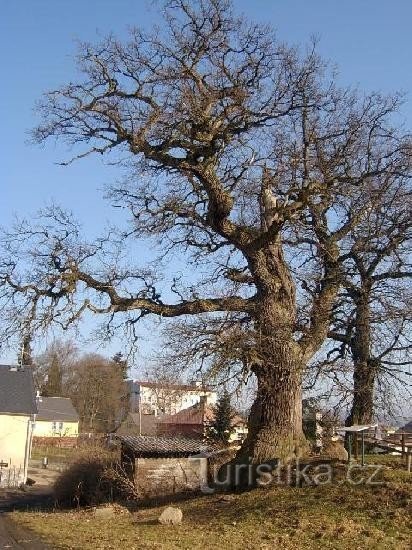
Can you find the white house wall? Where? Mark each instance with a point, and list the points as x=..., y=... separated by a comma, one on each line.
x=15, y=439
x=46, y=428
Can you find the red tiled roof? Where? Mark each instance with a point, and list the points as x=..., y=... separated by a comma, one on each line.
x=196, y=415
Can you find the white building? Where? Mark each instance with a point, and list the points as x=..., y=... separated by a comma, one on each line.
x=56, y=417
x=160, y=398
x=17, y=413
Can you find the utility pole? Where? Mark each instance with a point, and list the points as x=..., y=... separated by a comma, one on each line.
x=140, y=413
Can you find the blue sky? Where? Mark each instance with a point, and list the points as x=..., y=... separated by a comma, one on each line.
x=369, y=40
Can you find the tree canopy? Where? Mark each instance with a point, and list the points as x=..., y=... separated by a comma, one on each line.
x=244, y=156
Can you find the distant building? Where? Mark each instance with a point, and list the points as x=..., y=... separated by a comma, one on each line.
x=56, y=418
x=17, y=413
x=138, y=424
x=160, y=398
x=194, y=422
x=407, y=428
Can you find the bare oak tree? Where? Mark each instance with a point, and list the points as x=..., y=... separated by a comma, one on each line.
x=373, y=313
x=234, y=141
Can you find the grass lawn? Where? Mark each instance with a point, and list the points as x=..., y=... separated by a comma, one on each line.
x=337, y=516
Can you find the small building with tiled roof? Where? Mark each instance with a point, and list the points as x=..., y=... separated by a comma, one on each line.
x=164, y=466
x=56, y=417
x=17, y=413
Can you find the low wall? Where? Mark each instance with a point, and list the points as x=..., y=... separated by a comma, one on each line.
x=61, y=442
x=157, y=477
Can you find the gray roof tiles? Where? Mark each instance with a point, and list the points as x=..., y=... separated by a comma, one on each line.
x=17, y=395
x=56, y=409
x=149, y=446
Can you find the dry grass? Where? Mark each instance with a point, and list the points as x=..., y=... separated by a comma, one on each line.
x=338, y=516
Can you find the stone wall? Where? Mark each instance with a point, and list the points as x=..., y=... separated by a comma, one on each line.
x=64, y=442
x=167, y=476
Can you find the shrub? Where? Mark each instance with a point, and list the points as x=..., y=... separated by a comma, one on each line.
x=94, y=477
x=84, y=481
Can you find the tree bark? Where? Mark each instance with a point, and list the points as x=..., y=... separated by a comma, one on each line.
x=363, y=393
x=364, y=369
x=275, y=422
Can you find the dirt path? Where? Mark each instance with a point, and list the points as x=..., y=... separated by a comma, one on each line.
x=39, y=496
x=14, y=537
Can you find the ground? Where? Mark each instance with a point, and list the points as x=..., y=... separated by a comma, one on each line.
x=13, y=535
x=339, y=515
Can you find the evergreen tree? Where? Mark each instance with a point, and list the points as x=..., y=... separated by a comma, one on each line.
x=221, y=427
x=53, y=386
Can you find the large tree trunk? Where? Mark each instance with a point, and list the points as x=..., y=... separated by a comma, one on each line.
x=364, y=370
x=275, y=422
x=363, y=393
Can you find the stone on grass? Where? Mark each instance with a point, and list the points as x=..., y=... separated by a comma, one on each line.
x=171, y=516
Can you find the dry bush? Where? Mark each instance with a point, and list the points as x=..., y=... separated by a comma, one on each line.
x=85, y=481
x=122, y=486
